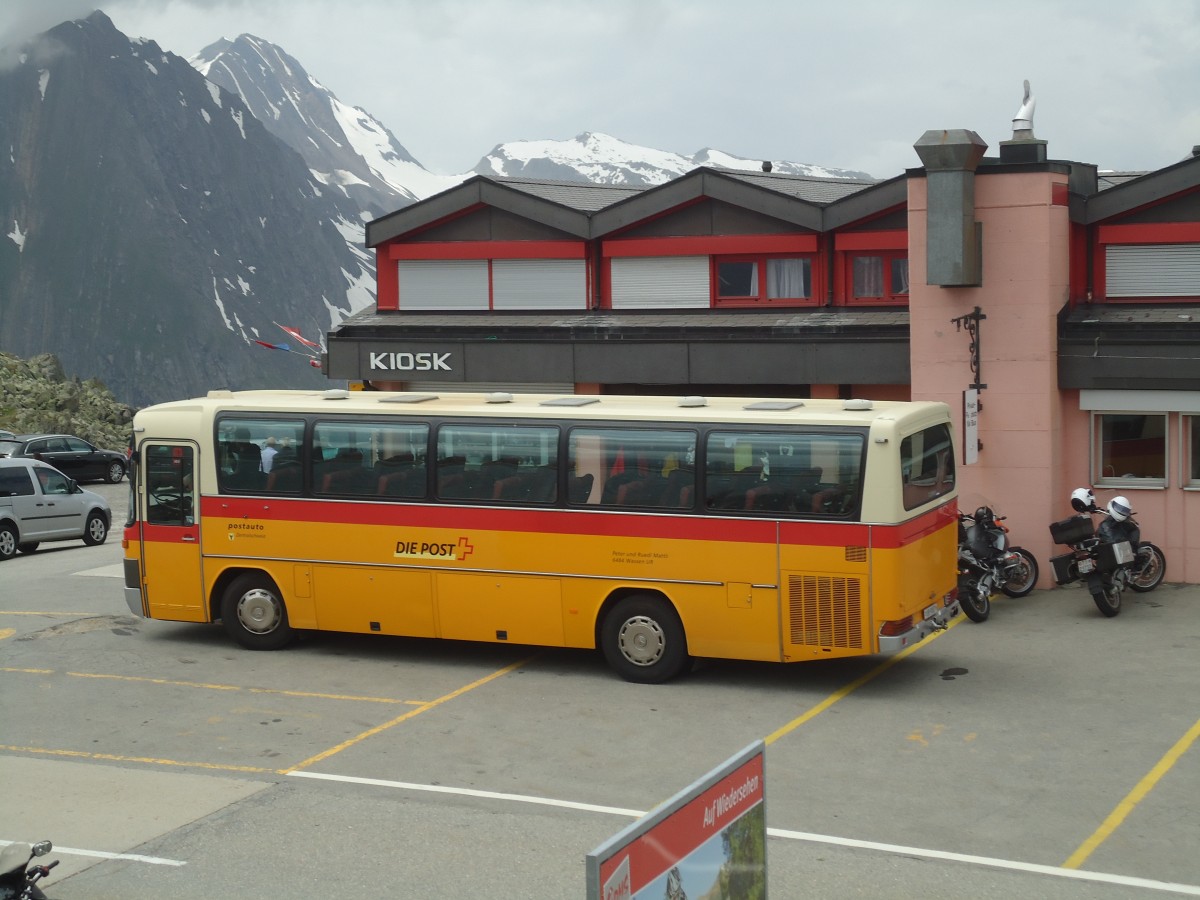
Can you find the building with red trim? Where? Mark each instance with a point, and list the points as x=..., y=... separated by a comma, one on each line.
x=1066, y=299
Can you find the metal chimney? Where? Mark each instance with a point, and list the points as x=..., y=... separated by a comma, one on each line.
x=1024, y=147
x=953, y=240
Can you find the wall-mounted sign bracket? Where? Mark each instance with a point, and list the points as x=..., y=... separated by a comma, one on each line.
x=970, y=322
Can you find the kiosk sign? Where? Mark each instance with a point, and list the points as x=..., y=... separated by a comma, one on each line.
x=711, y=834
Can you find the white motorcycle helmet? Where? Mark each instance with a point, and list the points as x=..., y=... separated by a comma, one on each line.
x=1083, y=500
x=1119, y=509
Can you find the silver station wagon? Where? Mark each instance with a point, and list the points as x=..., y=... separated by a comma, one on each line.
x=39, y=503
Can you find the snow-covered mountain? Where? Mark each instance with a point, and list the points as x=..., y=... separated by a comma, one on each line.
x=345, y=147
x=607, y=160
x=351, y=151
x=157, y=232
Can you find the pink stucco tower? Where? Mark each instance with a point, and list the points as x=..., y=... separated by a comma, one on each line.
x=988, y=256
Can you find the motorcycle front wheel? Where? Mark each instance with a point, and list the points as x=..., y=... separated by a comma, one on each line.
x=1022, y=576
x=971, y=599
x=1108, y=600
x=1149, y=568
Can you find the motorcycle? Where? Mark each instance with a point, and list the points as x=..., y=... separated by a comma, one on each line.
x=986, y=563
x=18, y=879
x=1110, y=557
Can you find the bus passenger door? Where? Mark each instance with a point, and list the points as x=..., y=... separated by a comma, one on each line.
x=172, y=577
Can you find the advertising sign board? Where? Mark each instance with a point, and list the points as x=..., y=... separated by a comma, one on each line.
x=712, y=833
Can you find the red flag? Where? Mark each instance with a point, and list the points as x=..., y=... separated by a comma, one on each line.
x=294, y=333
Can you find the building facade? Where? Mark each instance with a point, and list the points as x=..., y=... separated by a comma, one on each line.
x=1064, y=301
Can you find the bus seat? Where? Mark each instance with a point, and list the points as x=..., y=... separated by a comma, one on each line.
x=406, y=482
x=514, y=487
x=349, y=480
x=543, y=486
x=831, y=499
x=579, y=487
x=643, y=492
x=284, y=476
x=678, y=481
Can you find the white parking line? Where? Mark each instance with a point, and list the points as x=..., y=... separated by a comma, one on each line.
x=116, y=570
x=784, y=834
x=102, y=854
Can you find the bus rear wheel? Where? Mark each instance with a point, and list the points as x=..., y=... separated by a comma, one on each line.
x=254, y=615
x=643, y=640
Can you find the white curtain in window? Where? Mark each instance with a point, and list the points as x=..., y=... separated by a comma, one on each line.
x=787, y=278
x=899, y=276
x=868, y=276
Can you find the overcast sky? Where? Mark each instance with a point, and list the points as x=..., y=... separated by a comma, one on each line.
x=849, y=84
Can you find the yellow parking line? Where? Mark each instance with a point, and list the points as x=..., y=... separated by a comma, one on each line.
x=1133, y=798
x=216, y=687
x=853, y=686
x=408, y=715
x=7, y=633
x=113, y=757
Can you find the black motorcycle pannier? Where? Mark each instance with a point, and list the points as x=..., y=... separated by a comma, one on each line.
x=1072, y=530
x=1065, y=570
x=1109, y=556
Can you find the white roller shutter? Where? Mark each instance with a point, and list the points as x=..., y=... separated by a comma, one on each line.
x=443, y=284
x=1152, y=270
x=539, y=284
x=661, y=282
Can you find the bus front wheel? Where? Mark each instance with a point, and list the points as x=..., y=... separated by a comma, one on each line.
x=643, y=640
x=254, y=615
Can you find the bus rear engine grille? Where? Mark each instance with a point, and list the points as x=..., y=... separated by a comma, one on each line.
x=825, y=611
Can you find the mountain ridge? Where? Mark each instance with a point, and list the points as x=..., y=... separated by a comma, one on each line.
x=159, y=225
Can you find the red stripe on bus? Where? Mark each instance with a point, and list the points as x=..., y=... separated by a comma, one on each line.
x=558, y=521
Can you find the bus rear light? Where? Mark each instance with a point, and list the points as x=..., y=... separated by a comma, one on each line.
x=900, y=626
x=951, y=597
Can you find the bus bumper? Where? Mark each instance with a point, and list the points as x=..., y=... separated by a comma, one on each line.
x=894, y=643
x=133, y=599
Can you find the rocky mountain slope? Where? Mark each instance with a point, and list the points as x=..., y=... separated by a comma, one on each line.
x=153, y=230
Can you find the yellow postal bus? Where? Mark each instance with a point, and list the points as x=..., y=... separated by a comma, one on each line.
x=655, y=528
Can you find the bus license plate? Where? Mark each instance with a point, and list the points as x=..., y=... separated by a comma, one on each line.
x=931, y=610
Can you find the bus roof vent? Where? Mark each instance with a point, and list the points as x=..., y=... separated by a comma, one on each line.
x=408, y=398
x=775, y=404
x=222, y=394
x=498, y=397
x=335, y=394
x=857, y=404
x=693, y=400
x=576, y=400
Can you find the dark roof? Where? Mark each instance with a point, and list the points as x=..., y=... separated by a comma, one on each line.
x=578, y=207
x=1105, y=180
x=803, y=187
x=582, y=196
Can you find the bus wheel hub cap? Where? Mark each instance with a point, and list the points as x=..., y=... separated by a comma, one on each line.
x=642, y=641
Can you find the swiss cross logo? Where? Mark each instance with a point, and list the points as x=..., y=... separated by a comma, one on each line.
x=465, y=548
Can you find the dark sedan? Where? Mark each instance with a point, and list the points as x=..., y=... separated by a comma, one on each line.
x=72, y=456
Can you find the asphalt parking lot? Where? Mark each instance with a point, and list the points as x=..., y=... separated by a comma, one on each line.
x=1046, y=753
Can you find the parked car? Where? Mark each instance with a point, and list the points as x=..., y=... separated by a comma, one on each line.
x=39, y=503
x=71, y=455
x=7, y=436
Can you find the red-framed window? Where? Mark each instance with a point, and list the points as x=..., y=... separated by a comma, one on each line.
x=871, y=268
x=763, y=280
x=876, y=278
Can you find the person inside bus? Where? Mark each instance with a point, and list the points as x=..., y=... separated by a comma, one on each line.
x=268, y=454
